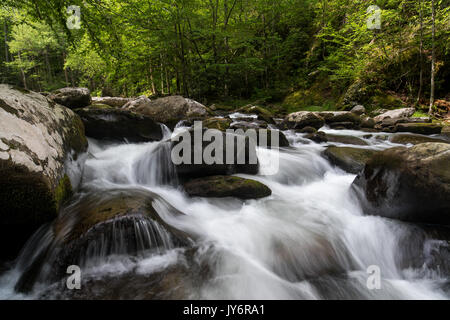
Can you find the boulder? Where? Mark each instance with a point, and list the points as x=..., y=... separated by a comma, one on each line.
x=346, y=139
x=72, y=97
x=446, y=131
x=115, y=102
x=252, y=124
x=302, y=119
x=171, y=110
x=317, y=137
x=221, y=124
x=226, y=186
x=403, y=138
x=242, y=147
x=395, y=114
x=100, y=224
x=308, y=130
x=340, y=117
x=262, y=113
x=358, y=110
x=420, y=128
x=136, y=103
x=38, y=138
x=367, y=122
x=118, y=124
x=408, y=184
x=349, y=159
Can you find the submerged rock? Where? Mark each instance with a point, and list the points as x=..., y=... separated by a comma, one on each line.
x=408, y=184
x=72, y=97
x=226, y=186
x=346, y=139
x=171, y=110
x=352, y=160
x=117, y=124
x=37, y=140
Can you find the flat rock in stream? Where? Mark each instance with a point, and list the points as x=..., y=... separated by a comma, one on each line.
x=226, y=186
x=352, y=160
x=420, y=128
x=346, y=139
x=403, y=138
x=408, y=184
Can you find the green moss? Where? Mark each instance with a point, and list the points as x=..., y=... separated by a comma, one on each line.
x=420, y=114
x=63, y=191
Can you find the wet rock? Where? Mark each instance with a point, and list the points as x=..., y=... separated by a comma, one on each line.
x=37, y=140
x=243, y=158
x=395, y=114
x=171, y=110
x=317, y=137
x=262, y=113
x=420, y=128
x=116, y=124
x=346, y=139
x=308, y=130
x=413, y=139
x=349, y=159
x=221, y=124
x=72, y=97
x=302, y=119
x=358, y=110
x=408, y=184
x=343, y=125
x=139, y=102
x=367, y=122
x=226, y=186
x=115, y=102
x=341, y=118
x=101, y=224
x=251, y=124
x=446, y=131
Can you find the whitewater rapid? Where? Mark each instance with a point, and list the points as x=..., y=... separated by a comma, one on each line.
x=308, y=240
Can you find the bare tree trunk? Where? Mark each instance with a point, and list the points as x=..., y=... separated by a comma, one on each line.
x=433, y=57
x=24, y=78
x=66, y=76
x=419, y=94
x=5, y=30
x=151, y=78
x=162, y=73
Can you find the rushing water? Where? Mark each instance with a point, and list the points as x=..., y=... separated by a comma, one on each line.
x=309, y=240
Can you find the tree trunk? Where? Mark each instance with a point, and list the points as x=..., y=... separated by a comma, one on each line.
x=5, y=30
x=24, y=78
x=152, y=81
x=420, y=53
x=66, y=76
x=433, y=57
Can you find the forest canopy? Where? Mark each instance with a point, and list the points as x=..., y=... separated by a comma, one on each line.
x=300, y=52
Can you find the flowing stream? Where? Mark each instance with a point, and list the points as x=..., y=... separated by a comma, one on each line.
x=309, y=240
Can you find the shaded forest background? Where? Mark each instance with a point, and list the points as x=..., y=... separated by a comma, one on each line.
x=299, y=53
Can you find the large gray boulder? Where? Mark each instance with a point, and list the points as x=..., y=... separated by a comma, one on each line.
x=37, y=140
x=72, y=97
x=352, y=160
x=171, y=110
x=395, y=114
x=115, y=102
x=117, y=124
x=408, y=184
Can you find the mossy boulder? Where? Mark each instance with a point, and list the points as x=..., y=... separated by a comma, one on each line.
x=226, y=186
x=420, y=128
x=118, y=124
x=100, y=224
x=171, y=110
x=332, y=117
x=38, y=138
x=404, y=138
x=72, y=97
x=349, y=159
x=395, y=114
x=408, y=184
